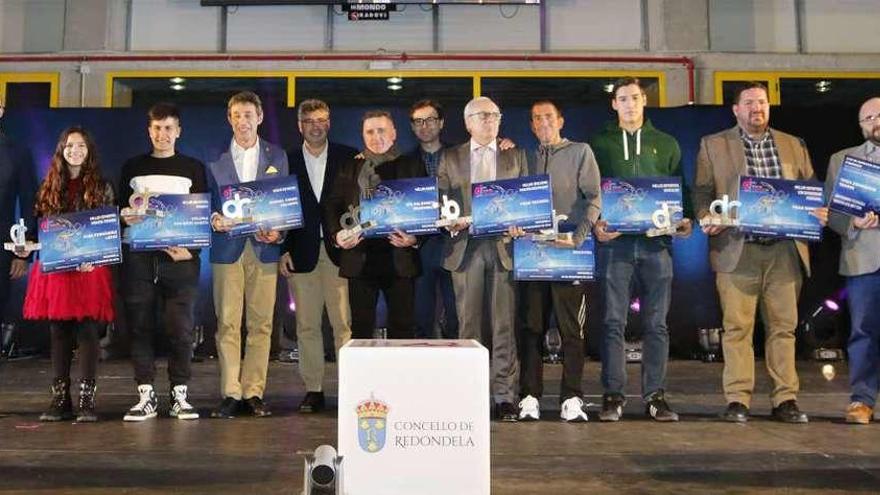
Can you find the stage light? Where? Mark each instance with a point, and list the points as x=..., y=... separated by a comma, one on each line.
x=635, y=306
x=710, y=344
x=394, y=80
x=823, y=86
x=177, y=80
x=608, y=87
x=395, y=87
x=178, y=87
x=292, y=306
x=323, y=472
x=832, y=305
x=822, y=330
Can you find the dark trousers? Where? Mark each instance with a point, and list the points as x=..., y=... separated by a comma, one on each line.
x=863, y=295
x=363, y=294
x=569, y=303
x=67, y=335
x=618, y=263
x=433, y=280
x=150, y=278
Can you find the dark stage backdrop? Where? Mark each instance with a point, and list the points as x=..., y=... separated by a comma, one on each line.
x=121, y=133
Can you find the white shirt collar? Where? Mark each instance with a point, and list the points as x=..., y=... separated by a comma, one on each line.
x=237, y=149
x=493, y=145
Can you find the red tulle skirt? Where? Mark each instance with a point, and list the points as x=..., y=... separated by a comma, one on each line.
x=69, y=295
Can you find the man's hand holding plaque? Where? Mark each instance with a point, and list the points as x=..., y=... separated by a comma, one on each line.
x=352, y=228
x=723, y=213
x=450, y=217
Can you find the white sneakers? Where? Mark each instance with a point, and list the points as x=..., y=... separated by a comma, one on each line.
x=180, y=407
x=573, y=410
x=529, y=409
x=146, y=406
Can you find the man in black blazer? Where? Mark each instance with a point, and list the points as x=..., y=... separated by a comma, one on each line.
x=310, y=258
x=18, y=185
x=371, y=265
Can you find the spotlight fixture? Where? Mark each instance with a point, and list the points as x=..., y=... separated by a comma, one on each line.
x=822, y=331
x=323, y=472
x=177, y=80
x=394, y=80
x=395, y=87
x=823, y=86
x=178, y=87
x=608, y=88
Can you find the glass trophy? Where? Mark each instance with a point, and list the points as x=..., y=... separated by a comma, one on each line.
x=553, y=235
x=450, y=213
x=351, y=222
x=720, y=213
x=139, y=205
x=666, y=219
x=19, y=245
x=237, y=210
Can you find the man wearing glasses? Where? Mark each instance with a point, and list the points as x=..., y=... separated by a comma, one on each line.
x=481, y=268
x=310, y=259
x=426, y=119
x=860, y=264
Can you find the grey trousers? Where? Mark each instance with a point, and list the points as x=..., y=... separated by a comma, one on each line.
x=484, y=292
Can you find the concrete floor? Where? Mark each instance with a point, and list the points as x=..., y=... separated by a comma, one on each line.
x=698, y=455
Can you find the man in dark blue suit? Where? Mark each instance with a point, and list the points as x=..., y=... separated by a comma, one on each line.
x=311, y=260
x=17, y=187
x=245, y=268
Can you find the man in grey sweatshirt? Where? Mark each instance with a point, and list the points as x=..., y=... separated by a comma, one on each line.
x=574, y=176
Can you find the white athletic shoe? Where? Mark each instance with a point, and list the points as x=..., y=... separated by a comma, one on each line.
x=573, y=410
x=180, y=408
x=146, y=406
x=529, y=409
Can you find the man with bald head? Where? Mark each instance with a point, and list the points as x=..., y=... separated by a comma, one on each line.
x=860, y=264
x=481, y=267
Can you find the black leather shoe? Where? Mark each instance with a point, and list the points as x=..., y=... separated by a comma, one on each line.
x=789, y=412
x=256, y=407
x=507, y=412
x=228, y=408
x=313, y=402
x=736, y=412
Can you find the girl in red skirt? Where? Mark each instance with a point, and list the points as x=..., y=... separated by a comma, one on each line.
x=77, y=304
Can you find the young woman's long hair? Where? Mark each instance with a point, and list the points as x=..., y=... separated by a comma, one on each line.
x=50, y=197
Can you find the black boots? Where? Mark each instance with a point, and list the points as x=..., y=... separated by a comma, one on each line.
x=87, y=389
x=61, y=407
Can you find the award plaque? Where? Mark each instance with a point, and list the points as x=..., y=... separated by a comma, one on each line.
x=185, y=222
x=71, y=239
x=268, y=204
x=524, y=202
x=554, y=234
x=351, y=222
x=667, y=220
x=541, y=261
x=857, y=189
x=409, y=205
x=641, y=205
x=780, y=208
x=139, y=205
x=19, y=245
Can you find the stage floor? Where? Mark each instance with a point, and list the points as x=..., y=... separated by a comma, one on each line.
x=245, y=455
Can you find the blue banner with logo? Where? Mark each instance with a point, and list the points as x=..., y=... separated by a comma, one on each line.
x=543, y=261
x=268, y=204
x=524, y=202
x=71, y=239
x=182, y=220
x=628, y=205
x=406, y=204
x=780, y=208
x=857, y=190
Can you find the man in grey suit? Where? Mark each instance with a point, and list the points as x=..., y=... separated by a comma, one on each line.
x=481, y=268
x=753, y=271
x=860, y=264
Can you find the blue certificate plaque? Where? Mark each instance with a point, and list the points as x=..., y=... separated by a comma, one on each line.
x=268, y=204
x=524, y=202
x=406, y=204
x=185, y=222
x=780, y=208
x=629, y=204
x=71, y=239
x=857, y=190
x=541, y=261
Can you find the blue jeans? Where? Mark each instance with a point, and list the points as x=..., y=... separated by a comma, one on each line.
x=863, y=294
x=434, y=277
x=650, y=262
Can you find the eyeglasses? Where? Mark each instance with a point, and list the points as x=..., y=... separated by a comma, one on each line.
x=870, y=119
x=315, y=121
x=486, y=116
x=425, y=121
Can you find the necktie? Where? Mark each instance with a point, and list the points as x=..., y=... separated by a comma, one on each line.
x=484, y=164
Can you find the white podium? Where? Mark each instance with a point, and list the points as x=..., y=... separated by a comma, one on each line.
x=414, y=417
